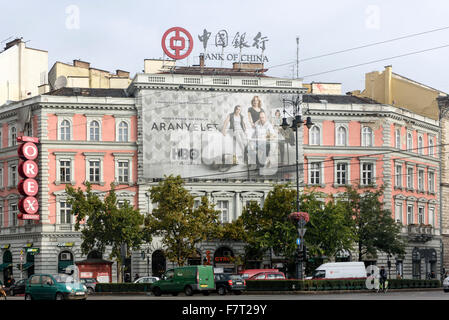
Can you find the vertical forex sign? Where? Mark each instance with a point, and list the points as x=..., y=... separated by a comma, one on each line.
x=28, y=186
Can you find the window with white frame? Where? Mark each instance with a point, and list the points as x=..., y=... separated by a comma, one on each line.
x=341, y=136
x=12, y=135
x=315, y=173
x=398, y=211
x=123, y=168
x=1, y=177
x=65, y=167
x=341, y=173
x=409, y=177
x=420, y=214
x=12, y=174
x=398, y=138
x=65, y=130
x=431, y=181
x=94, y=167
x=223, y=208
x=94, y=170
x=432, y=216
x=420, y=145
x=14, y=211
x=367, y=173
x=421, y=180
x=409, y=141
x=65, y=171
x=1, y=216
x=431, y=145
x=409, y=213
x=123, y=131
x=94, y=130
x=398, y=176
x=367, y=137
x=314, y=136
x=65, y=213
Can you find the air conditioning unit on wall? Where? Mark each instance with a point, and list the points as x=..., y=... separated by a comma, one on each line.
x=66, y=256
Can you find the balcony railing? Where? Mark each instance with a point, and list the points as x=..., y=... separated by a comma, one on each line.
x=420, y=232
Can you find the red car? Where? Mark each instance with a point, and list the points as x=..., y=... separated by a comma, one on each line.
x=248, y=273
x=268, y=275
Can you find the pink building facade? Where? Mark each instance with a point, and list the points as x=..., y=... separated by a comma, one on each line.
x=357, y=141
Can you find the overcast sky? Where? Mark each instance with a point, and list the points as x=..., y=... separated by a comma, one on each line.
x=121, y=34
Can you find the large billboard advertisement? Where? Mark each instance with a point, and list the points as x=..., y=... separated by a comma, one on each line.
x=216, y=135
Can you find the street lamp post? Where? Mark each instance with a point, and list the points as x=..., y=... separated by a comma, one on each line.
x=301, y=220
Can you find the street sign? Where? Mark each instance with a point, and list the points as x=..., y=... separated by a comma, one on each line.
x=302, y=232
x=298, y=241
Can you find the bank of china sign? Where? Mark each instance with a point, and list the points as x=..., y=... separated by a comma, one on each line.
x=221, y=45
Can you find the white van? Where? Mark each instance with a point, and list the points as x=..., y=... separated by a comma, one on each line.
x=340, y=270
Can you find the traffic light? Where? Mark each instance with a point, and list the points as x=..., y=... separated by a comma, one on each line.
x=304, y=253
x=299, y=254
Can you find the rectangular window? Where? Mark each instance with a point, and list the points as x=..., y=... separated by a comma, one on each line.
x=409, y=214
x=420, y=180
x=13, y=176
x=65, y=213
x=1, y=178
x=14, y=212
x=432, y=216
x=430, y=146
x=431, y=182
x=410, y=178
x=223, y=207
x=367, y=173
x=65, y=171
x=342, y=173
x=398, y=138
x=94, y=171
x=1, y=217
x=421, y=215
x=398, y=177
x=123, y=172
x=398, y=212
x=315, y=173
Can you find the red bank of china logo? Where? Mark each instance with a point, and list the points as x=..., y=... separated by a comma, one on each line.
x=180, y=43
x=28, y=187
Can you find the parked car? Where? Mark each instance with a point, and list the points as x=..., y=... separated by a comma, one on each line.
x=90, y=284
x=248, y=273
x=147, y=280
x=446, y=284
x=268, y=275
x=189, y=280
x=54, y=287
x=226, y=282
x=340, y=270
x=17, y=288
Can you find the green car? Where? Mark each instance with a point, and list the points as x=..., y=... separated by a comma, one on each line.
x=189, y=280
x=54, y=287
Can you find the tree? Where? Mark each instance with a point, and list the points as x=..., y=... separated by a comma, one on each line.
x=181, y=226
x=374, y=228
x=105, y=223
x=269, y=227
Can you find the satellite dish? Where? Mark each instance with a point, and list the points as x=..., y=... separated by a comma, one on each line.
x=60, y=82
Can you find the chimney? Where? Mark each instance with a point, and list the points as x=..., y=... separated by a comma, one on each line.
x=122, y=73
x=201, y=61
x=81, y=64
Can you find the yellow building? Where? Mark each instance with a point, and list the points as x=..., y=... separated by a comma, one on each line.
x=391, y=88
x=81, y=75
x=23, y=71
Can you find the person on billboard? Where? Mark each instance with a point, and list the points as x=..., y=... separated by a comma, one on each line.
x=254, y=111
x=237, y=128
x=263, y=134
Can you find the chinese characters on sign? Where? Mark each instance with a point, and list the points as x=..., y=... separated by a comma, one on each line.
x=240, y=40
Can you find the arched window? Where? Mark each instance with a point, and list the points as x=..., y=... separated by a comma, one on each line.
x=123, y=131
x=94, y=131
x=367, y=137
x=65, y=130
x=13, y=136
x=409, y=141
x=341, y=136
x=430, y=146
x=314, y=136
x=420, y=145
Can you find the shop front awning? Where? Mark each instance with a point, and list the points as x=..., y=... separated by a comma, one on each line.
x=3, y=266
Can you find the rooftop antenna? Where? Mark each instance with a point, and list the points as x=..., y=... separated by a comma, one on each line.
x=297, y=57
